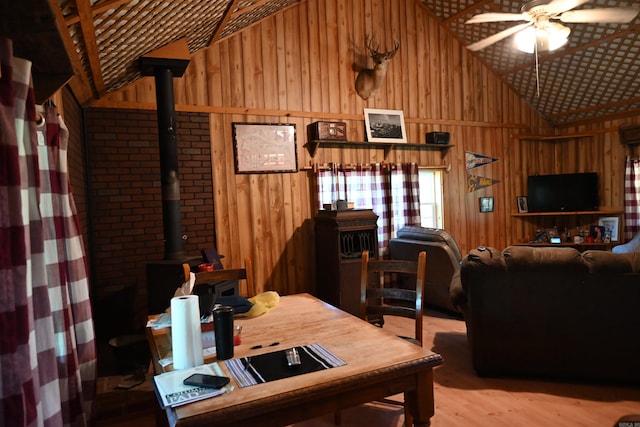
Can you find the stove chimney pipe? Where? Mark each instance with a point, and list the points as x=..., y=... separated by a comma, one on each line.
x=164, y=65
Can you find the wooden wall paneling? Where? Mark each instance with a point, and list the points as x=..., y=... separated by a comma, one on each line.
x=143, y=92
x=195, y=79
x=271, y=56
x=420, y=91
x=213, y=80
x=396, y=90
x=290, y=88
x=324, y=51
x=344, y=31
x=253, y=66
x=331, y=73
x=455, y=63
x=315, y=61
x=410, y=93
x=435, y=93
x=304, y=72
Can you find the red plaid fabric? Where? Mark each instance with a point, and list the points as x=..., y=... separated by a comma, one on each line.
x=392, y=193
x=631, y=198
x=47, y=350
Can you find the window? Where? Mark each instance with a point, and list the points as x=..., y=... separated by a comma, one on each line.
x=431, y=212
x=390, y=190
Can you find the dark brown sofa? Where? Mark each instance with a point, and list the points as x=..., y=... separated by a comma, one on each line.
x=443, y=261
x=552, y=312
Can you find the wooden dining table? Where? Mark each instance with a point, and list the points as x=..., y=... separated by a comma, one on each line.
x=378, y=364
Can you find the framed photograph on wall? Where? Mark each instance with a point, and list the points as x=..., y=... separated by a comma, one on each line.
x=385, y=125
x=486, y=204
x=265, y=147
x=610, y=224
x=523, y=207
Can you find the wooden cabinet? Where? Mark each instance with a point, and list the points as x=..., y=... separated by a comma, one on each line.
x=341, y=236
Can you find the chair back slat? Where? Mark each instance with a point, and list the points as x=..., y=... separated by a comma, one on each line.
x=379, y=297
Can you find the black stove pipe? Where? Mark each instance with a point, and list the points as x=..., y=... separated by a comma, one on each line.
x=168, y=164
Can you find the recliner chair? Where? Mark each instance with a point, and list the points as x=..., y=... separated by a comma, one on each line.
x=443, y=261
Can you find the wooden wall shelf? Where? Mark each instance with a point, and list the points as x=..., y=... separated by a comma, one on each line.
x=312, y=146
x=598, y=212
x=555, y=138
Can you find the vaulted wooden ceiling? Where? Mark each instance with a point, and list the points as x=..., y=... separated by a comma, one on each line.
x=94, y=45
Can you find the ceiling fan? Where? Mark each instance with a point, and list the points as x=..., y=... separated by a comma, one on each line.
x=540, y=32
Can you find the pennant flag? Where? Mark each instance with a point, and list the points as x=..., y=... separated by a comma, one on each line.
x=475, y=160
x=475, y=182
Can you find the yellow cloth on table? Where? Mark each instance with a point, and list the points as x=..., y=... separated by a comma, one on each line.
x=262, y=303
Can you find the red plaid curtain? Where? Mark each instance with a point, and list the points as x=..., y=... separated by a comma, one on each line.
x=631, y=198
x=47, y=350
x=391, y=191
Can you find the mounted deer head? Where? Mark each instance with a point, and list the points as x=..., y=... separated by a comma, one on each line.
x=369, y=79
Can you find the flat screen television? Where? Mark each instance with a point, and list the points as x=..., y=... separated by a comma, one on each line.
x=563, y=192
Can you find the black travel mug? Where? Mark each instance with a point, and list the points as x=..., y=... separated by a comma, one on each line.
x=223, y=329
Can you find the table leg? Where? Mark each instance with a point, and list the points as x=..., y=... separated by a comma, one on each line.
x=421, y=401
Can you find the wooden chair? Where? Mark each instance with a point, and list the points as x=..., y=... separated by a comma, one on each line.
x=216, y=276
x=379, y=298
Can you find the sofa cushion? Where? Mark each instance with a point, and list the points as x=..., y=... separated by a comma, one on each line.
x=544, y=259
x=607, y=262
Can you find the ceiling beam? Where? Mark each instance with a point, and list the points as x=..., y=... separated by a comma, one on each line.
x=596, y=108
x=91, y=46
x=99, y=8
x=223, y=22
x=79, y=83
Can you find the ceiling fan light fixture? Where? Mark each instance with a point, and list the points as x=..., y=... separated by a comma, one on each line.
x=526, y=39
x=550, y=37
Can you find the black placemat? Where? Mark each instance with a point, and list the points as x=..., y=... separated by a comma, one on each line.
x=272, y=366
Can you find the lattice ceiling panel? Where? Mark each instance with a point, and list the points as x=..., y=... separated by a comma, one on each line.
x=591, y=76
x=126, y=30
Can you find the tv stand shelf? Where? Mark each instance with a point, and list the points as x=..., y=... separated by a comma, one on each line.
x=598, y=212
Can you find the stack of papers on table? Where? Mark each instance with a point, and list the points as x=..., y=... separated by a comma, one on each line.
x=172, y=392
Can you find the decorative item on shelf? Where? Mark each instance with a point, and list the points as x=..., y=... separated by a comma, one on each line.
x=385, y=125
x=327, y=131
x=629, y=134
x=610, y=224
x=522, y=204
x=486, y=204
x=596, y=232
x=437, y=137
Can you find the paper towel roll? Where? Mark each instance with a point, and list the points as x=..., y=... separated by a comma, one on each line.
x=186, y=335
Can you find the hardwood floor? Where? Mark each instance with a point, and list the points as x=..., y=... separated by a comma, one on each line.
x=462, y=398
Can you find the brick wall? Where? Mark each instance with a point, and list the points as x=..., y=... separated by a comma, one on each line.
x=126, y=206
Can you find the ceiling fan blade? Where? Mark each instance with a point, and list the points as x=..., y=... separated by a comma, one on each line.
x=559, y=6
x=497, y=37
x=621, y=15
x=496, y=17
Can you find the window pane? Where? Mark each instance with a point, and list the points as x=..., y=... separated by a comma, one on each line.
x=431, y=198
